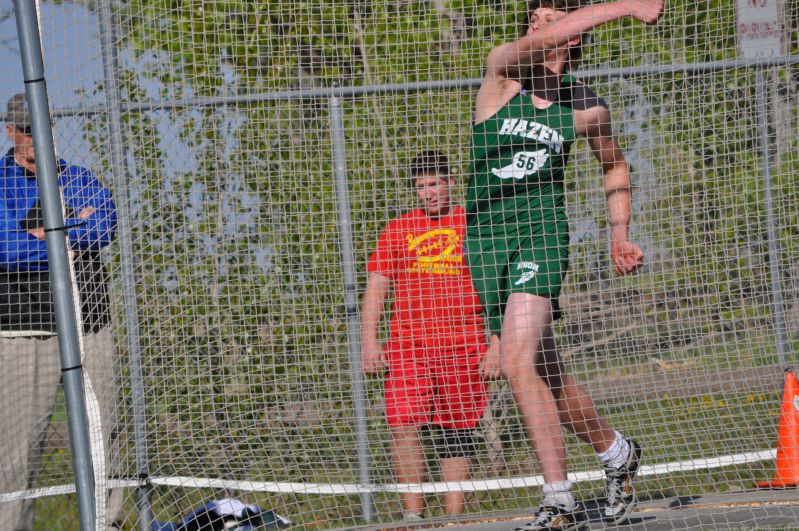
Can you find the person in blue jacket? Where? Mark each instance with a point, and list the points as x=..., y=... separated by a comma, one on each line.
x=30, y=371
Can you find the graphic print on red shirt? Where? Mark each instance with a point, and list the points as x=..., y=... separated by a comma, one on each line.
x=435, y=304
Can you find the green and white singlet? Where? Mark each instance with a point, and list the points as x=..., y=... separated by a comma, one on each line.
x=517, y=235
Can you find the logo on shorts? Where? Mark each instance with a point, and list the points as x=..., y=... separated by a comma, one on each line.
x=531, y=269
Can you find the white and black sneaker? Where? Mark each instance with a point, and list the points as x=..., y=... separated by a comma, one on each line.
x=556, y=518
x=621, y=496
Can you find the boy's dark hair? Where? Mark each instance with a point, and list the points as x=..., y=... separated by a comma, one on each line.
x=575, y=52
x=429, y=162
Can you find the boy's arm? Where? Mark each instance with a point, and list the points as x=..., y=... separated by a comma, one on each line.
x=626, y=256
x=489, y=364
x=374, y=298
x=508, y=60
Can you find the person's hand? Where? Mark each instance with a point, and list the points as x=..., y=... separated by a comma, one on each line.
x=37, y=233
x=372, y=359
x=626, y=256
x=489, y=363
x=86, y=212
x=646, y=11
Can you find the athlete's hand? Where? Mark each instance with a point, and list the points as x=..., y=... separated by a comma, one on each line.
x=489, y=363
x=372, y=359
x=626, y=256
x=646, y=11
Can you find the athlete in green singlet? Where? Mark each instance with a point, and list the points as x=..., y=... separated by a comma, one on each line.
x=528, y=113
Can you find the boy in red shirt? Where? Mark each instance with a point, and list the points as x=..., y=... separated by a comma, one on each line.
x=437, y=357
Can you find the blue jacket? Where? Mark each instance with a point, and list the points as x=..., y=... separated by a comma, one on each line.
x=25, y=300
x=19, y=211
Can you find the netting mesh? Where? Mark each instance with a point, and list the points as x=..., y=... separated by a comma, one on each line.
x=239, y=318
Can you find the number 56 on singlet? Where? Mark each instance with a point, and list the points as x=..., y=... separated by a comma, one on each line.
x=523, y=164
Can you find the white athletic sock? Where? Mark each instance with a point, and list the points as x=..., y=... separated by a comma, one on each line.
x=411, y=516
x=558, y=493
x=617, y=454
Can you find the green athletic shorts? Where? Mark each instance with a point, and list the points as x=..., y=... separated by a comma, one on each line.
x=517, y=263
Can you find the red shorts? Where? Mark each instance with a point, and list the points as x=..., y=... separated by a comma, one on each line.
x=443, y=387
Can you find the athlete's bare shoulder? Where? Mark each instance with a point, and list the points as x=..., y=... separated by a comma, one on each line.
x=494, y=93
x=500, y=82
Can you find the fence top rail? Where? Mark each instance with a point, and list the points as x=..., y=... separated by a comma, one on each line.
x=421, y=86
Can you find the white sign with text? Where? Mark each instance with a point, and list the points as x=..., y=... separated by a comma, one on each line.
x=758, y=28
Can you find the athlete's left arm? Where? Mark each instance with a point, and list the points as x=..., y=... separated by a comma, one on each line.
x=596, y=126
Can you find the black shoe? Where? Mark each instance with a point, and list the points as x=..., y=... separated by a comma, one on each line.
x=556, y=517
x=621, y=495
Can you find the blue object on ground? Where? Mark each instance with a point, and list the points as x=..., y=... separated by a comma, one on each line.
x=228, y=514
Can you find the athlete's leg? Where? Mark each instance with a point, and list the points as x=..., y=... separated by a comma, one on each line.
x=526, y=319
x=409, y=464
x=576, y=409
x=620, y=456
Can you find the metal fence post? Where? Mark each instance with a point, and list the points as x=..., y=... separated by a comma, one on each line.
x=351, y=302
x=127, y=257
x=57, y=258
x=771, y=225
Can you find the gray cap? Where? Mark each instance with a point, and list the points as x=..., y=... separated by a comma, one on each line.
x=17, y=113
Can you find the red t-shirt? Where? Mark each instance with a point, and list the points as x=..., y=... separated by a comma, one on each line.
x=435, y=304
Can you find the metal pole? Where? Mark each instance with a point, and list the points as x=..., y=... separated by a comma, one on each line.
x=351, y=303
x=771, y=225
x=129, y=292
x=57, y=257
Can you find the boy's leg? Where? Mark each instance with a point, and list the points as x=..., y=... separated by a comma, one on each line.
x=409, y=402
x=620, y=456
x=461, y=398
x=409, y=464
x=456, y=449
x=455, y=469
x=526, y=319
x=575, y=407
